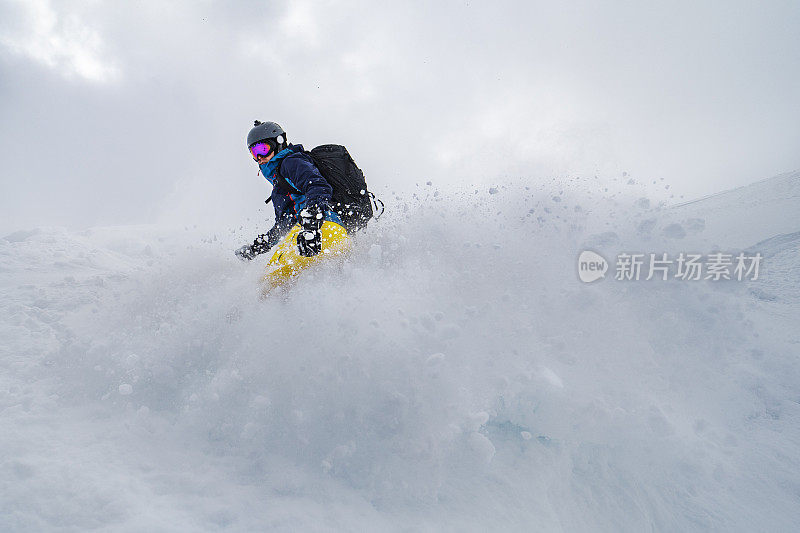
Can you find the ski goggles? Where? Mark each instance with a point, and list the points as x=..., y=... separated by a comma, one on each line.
x=262, y=149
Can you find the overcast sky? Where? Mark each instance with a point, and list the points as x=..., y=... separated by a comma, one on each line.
x=134, y=112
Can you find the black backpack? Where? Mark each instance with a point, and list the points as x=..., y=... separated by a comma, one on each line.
x=350, y=199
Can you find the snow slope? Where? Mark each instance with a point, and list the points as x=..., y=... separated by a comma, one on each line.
x=452, y=374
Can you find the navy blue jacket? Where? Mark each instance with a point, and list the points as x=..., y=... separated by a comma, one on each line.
x=308, y=187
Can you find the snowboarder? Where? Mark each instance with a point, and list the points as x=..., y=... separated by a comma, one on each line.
x=300, y=194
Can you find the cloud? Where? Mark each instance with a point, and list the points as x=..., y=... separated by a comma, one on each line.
x=61, y=42
x=149, y=102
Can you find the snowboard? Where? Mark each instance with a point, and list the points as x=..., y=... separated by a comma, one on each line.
x=286, y=262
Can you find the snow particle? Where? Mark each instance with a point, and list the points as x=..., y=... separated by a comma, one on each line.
x=434, y=359
x=674, y=231
x=482, y=447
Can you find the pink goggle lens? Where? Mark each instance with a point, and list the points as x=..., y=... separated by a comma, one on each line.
x=260, y=149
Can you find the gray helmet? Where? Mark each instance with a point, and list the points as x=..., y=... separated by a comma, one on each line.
x=266, y=130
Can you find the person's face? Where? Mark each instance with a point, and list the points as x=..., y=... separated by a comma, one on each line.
x=261, y=159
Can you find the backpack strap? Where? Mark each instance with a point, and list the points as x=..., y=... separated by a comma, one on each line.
x=283, y=183
x=375, y=201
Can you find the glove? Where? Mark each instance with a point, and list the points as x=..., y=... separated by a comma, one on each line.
x=249, y=251
x=309, y=240
x=309, y=243
x=245, y=253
